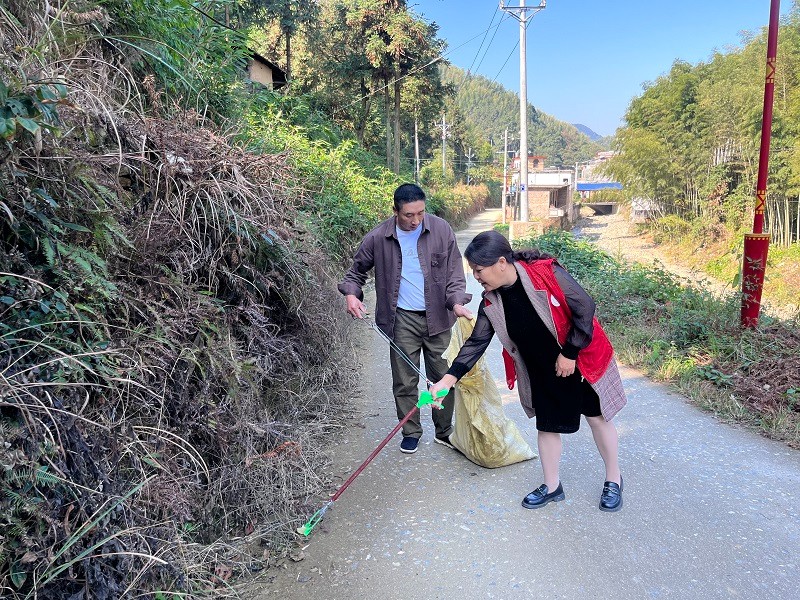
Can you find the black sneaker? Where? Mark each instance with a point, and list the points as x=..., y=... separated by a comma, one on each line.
x=540, y=496
x=444, y=441
x=409, y=445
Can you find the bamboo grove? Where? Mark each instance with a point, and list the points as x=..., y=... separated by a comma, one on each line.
x=691, y=140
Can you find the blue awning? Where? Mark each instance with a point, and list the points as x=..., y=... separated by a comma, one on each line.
x=604, y=185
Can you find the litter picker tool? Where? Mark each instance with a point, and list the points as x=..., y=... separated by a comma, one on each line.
x=397, y=349
x=425, y=398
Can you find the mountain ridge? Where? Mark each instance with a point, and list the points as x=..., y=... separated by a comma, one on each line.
x=490, y=108
x=587, y=131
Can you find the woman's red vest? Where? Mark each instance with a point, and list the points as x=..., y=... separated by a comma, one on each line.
x=593, y=360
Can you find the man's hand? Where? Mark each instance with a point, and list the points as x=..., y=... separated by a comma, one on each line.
x=460, y=310
x=355, y=307
x=564, y=366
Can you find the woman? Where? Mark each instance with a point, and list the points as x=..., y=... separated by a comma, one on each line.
x=562, y=357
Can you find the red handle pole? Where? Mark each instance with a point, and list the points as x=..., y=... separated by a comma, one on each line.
x=756, y=244
x=374, y=454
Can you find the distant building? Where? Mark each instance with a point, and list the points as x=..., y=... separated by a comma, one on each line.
x=550, y=192
x=643, y=209
x=604, y=155
x=592, y=170
x=535, y=163
x=265, y=72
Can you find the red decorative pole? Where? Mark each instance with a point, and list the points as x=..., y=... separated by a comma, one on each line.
x=756, y=244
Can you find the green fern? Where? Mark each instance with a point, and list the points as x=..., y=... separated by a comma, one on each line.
x=18, y=529
x=49, y=252
x=45, y=479
x=19, y=476
x=18, y=501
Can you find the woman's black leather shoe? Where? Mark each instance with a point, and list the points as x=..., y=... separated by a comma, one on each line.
x=539, y=497
x=611, y=498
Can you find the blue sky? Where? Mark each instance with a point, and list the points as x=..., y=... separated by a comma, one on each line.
x=588, y=59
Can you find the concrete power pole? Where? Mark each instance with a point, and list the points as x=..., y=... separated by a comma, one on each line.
x=470, y=155
x=505, y=171
x=521, y=14
x=523, y=114
x=444, y=147
x=416, y=151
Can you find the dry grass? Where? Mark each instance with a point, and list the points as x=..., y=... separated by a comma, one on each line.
x=168, y=372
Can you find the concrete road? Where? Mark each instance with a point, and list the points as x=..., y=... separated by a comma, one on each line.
x=710, y=510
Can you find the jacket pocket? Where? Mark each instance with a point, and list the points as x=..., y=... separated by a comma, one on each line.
x=439, y=266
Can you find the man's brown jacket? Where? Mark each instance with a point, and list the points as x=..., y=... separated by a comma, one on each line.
x=442, y=269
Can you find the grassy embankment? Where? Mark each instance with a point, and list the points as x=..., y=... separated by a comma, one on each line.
x=173, y=355
x=718, y=252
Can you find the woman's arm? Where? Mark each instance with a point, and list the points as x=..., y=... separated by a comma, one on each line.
x=470, y=352
x=582, y=307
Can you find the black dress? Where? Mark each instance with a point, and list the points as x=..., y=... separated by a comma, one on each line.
x=559, y=402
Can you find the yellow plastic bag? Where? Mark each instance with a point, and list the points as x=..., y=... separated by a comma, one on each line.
x=481, y=430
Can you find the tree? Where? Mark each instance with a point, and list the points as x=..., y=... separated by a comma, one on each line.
x=396, y=44
x=289, y=15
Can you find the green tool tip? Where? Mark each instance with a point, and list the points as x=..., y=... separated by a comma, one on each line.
x=304, y=529
x=426, y=398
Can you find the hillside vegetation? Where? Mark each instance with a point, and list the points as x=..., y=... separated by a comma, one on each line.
x=491, y=109
x=174, y=356
x=173, y=352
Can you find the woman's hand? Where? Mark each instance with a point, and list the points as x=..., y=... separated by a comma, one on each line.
x=445, y=383
x=564, y=366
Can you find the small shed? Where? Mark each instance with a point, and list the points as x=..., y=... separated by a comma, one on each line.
x=265, y=72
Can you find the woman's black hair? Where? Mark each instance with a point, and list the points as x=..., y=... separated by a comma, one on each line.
x=487, y=247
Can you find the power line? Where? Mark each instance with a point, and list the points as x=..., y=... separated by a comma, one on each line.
x=412, y=71
x=469, y=71
x=490, y=42
x=505, y=63
x=477, y=54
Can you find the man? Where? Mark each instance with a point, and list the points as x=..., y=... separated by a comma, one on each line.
x=421, y=289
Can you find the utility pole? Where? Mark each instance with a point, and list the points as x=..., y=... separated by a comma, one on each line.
x=756, y=244
x=523, y=114
x=505, y=176
x=469, y=165
x=416, y=152
x=521, y=14
x=443, y=125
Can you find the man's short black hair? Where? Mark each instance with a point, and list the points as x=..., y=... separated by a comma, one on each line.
x=408, y=192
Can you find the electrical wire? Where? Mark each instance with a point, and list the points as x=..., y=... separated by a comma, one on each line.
x=412, y=71
x=486, y=33
x=490, y=43
x=505, y=63
x=468, y=73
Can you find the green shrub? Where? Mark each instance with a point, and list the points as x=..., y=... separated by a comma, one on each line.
x=431, y=175
x=502, y=228
x=29, y=108
x=345, y=189
x=670, y=228
x=458, y=203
